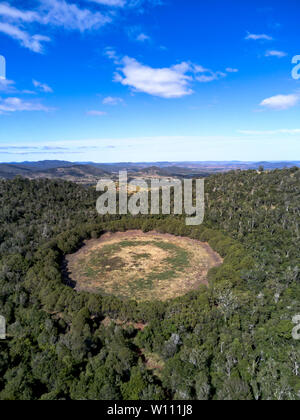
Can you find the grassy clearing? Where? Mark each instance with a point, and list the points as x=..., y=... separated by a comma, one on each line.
x=154, y=363
x=141, y=266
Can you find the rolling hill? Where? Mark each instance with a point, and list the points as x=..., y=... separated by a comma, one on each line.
x=90, y=172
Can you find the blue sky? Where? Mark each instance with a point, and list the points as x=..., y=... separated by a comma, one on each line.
x=149, y=80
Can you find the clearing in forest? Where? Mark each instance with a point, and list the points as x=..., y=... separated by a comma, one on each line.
x=141, y=266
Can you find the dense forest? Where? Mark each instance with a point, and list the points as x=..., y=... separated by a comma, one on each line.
x=230, y=341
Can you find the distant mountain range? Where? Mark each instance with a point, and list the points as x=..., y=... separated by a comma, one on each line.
x=90, y=172
x=80, y=173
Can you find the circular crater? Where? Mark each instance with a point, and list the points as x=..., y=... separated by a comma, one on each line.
x=141, y=266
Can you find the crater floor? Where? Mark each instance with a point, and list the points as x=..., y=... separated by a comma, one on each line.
x=141, y=266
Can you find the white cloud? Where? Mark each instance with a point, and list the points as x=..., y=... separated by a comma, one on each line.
x=167, y=82
x=199, y=69
x=127, y=3
x=136, y=33
x=110, y=100
x=258, y=37
x=94, y=113
x=50, y=12
x=281, y=102
x=210, y=76
x=42, y=86
x=70, y=16
x=290, y=131
x=28, y=92
x=17, y=104
x=143, y=37
x=60, y=13
x=231, y=70
x=6, y=85
x=206, y=75
x=57, y=13
x=32, y=42
x=111, y=54
x=11, y=13
x=113, y=3
x=170, y=82
x=274, y=53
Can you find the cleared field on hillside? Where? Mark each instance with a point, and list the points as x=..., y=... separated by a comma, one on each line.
x=141, y=266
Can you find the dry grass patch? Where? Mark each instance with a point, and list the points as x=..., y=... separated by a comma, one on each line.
x=141, y=266
x=153, y=362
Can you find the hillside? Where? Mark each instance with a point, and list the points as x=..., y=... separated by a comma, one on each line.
x=82, y=174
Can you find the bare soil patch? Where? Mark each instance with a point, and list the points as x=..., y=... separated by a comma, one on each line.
x=141, y=266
